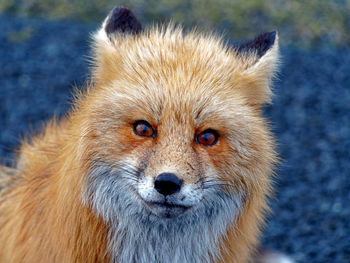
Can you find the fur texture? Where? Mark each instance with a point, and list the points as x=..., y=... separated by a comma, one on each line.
x=83, y=188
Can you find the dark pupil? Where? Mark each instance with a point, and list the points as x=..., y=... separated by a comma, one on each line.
x=143, y=129
x=207, y=137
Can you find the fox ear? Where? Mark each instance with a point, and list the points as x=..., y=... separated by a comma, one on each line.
x=119, y=24
x=259, y=45
x=121, y=20
x=260, y=60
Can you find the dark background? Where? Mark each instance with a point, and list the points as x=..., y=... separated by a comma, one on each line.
x=44, y=48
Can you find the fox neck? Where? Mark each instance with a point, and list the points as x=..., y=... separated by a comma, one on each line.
x=164, y=242
x=136, y=235
x=168, y=240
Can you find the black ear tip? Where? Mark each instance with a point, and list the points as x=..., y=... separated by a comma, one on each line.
x=272, y=34
x=261, y=44
x=120, y=11
x=270, y=37
x=122, y=20
x=267, y=40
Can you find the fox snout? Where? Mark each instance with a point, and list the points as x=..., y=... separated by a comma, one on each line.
x=167, y=195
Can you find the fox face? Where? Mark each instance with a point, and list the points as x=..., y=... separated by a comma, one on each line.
x=164, y=158
x=175, y=146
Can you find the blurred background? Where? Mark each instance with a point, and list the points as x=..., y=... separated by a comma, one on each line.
x=44, y=48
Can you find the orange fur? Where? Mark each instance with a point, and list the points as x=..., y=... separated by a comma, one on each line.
x=181, y=84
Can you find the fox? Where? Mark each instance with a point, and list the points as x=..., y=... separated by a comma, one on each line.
x=165, y=156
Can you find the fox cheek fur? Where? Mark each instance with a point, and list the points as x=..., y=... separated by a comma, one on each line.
x=95, y=187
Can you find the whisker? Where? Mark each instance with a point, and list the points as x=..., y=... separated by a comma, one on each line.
x=208, y=183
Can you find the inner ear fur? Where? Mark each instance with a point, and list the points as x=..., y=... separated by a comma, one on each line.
x=260, y=61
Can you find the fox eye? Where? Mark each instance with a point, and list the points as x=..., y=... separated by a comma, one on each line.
x=143, y=128
x=207, y=137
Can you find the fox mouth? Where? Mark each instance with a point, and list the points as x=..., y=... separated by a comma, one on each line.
x=167, y=210
x=167, y=205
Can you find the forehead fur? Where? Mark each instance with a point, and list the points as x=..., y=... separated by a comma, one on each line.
x=165, y=52
x=167, y=68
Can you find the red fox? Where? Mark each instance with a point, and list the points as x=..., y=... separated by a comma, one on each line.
x=164, y=158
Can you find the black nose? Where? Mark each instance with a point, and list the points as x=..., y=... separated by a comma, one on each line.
x=167, y=184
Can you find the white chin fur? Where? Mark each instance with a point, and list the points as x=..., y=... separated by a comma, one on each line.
x=138, y=236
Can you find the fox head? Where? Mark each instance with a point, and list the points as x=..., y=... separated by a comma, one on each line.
x=173, y=135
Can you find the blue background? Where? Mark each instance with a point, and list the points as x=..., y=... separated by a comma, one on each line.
x=310, y=116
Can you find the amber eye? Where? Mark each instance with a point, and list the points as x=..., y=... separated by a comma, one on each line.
x=143, y=128
x=207, y=137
